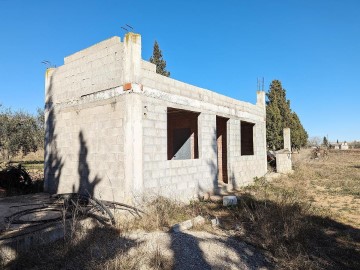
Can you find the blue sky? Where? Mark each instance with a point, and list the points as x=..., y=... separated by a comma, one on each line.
x=312, y=46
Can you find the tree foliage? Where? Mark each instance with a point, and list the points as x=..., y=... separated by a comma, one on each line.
x=314, y=141
x=158, y=60
x=325, y=142
x=279, y=116
x=40, y=124
x=20, y=132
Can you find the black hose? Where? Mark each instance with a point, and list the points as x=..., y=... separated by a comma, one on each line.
x=70, y=202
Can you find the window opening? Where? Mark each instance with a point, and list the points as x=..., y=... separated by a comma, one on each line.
x=247, y=138
x=182, y=131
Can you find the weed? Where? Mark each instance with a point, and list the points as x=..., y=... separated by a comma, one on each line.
x=159, y=261
x=161, y=214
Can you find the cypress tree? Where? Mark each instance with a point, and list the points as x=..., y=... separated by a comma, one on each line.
x=280, y=116
x=158, y=60
x=325, y=141
x=299, y=135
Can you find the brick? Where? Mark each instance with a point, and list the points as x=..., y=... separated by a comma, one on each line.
x=127, y=86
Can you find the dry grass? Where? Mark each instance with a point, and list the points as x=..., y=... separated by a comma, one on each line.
x=332, y=184
x=307, y=220
x=161, y=214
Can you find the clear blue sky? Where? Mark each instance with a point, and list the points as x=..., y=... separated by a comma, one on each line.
x=312, y=46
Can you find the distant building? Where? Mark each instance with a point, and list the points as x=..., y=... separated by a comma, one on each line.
x=344, y=146
x=339, y=146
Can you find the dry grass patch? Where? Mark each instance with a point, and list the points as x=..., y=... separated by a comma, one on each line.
x=332, y=184
x=161, y=214
x=307, y=220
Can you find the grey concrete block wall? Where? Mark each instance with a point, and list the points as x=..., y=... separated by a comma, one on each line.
x=180, y=179
x=184, y=179
x=90, y=147
x=96, y=68
x=283, y=161
x=106, y=115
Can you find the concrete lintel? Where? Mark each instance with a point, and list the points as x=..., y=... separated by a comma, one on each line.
x=185, y=101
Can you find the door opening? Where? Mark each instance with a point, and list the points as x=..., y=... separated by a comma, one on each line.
x=221, y=139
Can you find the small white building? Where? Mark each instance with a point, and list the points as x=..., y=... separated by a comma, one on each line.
x=115, y=129
x=344, y=146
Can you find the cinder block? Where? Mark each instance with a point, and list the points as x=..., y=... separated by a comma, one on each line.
x=186, y=225
x=229, y=200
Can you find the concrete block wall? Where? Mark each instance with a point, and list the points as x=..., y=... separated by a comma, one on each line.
x=241, y=169
x=87, y=120
x=219, y=102
x=283, y=161
x=184, y=179
x=245, y=167
x=96, y=68
x=283, y=157
x=180, y=179
x=89, y=145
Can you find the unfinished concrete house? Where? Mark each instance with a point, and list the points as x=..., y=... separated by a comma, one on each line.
x=117, y=130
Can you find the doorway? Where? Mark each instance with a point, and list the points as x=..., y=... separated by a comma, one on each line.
x=221, y=141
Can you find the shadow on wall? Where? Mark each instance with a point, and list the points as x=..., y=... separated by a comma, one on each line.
x=85, y=186
x=212, y=164
x=232, y=179
x=213, y=171
x=53, y=161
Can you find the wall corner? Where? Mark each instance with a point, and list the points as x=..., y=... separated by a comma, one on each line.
x=48, y=83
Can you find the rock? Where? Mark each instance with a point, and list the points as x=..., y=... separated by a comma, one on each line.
x=229, y=200
x=199, y=220
x=206, y=196
x=185, y=225
x=215, y=222
x=188, y=224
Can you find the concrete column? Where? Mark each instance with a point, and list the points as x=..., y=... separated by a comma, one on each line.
x=260, y=98
x=132, y=58
x=287, y=139
x=264, y=145
x=133, y=145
